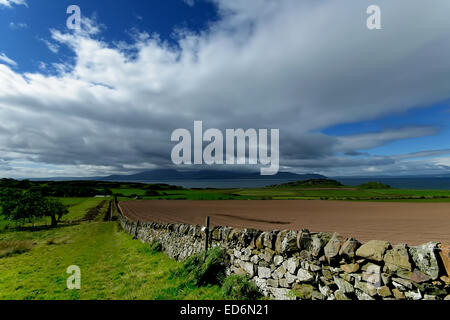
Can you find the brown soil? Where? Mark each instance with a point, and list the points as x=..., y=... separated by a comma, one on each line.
x=411, y=223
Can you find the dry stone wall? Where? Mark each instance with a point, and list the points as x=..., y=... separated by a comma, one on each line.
x=306, y=265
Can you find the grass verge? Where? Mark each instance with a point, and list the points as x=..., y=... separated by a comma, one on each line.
x=113, y=266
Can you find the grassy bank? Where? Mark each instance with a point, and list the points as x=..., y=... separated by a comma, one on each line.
x=113, y=266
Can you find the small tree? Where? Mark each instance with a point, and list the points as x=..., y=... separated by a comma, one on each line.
x=28, y=207
x=54, y=209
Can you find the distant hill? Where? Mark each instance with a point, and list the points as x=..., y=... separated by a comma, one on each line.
x=147, y=176
x=311, y=183
x=164, y=175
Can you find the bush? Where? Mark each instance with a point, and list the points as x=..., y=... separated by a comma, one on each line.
x=240, y=287
x=155, y=247
x=199, y=270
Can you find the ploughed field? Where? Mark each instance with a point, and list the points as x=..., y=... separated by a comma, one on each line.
x=396, y=222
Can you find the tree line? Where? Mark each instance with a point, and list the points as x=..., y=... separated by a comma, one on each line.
x=60, y=189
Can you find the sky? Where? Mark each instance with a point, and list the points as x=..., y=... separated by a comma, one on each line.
x=348, y=101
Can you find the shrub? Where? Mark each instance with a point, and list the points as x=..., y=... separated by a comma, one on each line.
x=201, y=270
x=240, y=287
x=155, y=247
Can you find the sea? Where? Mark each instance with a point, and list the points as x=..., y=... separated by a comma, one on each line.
x=399, y=183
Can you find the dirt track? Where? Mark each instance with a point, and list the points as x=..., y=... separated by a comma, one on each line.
x=411, y=223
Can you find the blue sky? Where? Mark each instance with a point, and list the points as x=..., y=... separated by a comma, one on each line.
x=102, y=100
x=436, y=115
x=24, y=27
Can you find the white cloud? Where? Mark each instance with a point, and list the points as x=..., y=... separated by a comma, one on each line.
x=10, y=3
x=53, y=47
x=6, y=59
x=374, y=139
x=442, y=161
x=42, y=66
x=300, y=66
x=18, y=25
x=190, y=3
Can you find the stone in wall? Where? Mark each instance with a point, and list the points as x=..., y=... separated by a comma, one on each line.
x=286, y=242
x=348, y=249
x=313, y=243
x=444, y=252
x=424, y=257
x=373, y=250
x=248, y=237
x=292, y=265
x=234, y=236
x=397, y=259
x=269, y=239
x=331, y=250
x=259, y=242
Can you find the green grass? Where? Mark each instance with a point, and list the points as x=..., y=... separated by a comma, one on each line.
x=186, y=195
x=129, y=191
x=72, y=201
x=349, y=194
x=79, y=208
x=113, y=266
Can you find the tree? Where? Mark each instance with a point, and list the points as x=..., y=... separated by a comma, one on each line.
x=10, y=200
x=18, y=206
x=29, y=206
x=54, y=209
